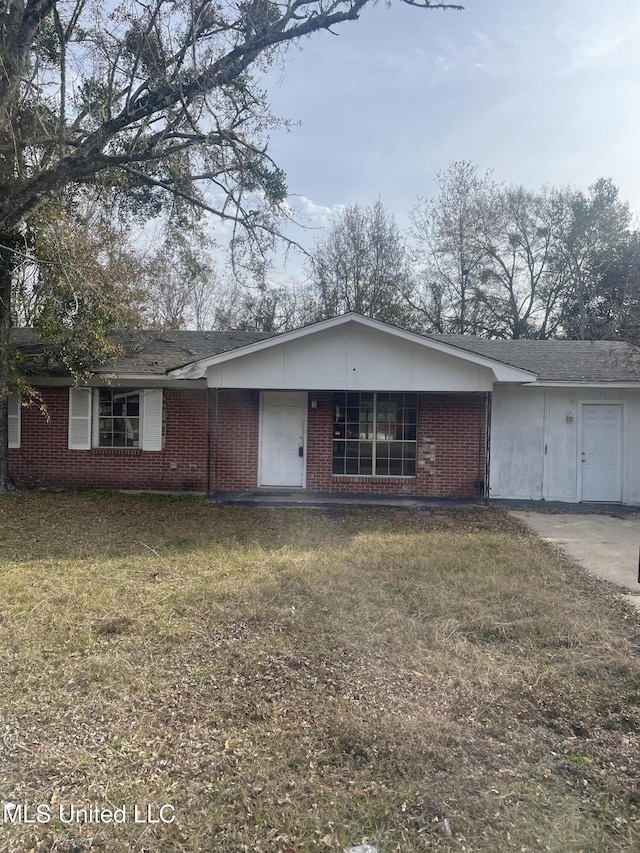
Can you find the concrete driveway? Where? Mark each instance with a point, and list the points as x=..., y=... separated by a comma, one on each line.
x=606, y=546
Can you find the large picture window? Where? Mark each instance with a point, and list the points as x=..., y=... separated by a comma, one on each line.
x=118, y=417
x=375, y=434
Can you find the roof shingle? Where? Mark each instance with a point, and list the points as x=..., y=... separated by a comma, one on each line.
x=156, y=353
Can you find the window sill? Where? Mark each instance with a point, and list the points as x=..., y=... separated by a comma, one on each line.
x=369, y=477
x=116, y=451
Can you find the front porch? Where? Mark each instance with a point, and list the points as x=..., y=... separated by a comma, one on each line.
x=328, y=500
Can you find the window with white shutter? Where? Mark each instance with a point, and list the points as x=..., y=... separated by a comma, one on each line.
x=152, y=419
x=118, y=416
x=115, y=418
x=80, y=418
x=14, y=420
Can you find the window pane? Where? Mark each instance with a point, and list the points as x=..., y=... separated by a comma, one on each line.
x=366, y=450
x=132, y=430
x=105, y=402
x=395, y=450
x=382, y=452
x=409, y=467
x=118, y=418
x=351, y=466
x=395, y=467
x=382, y=467
x=338, y=457
x=378, y=432
x=409, y=433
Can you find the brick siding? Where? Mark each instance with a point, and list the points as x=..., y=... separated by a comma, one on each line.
x=450, y=448
x=236, y=446
x=450, y=458
x=44, y=458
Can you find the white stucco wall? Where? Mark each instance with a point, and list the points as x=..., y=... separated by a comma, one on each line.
x=535, y=441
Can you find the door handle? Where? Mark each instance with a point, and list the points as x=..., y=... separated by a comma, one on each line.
x=301, y=451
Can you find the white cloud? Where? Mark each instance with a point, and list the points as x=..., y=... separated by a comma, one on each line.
x=314, y=214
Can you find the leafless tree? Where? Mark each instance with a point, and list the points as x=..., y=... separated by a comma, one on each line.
x=451, y=255
x=362, y=265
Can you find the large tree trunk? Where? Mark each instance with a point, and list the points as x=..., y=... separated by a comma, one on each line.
x=8, y=245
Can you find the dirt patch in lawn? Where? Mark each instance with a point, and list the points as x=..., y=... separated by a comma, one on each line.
x=298, y=680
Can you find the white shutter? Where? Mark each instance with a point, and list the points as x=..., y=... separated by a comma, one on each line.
x=80, y=418
x=14, y=420
x=152, y=419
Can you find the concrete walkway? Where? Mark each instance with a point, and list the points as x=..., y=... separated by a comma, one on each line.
x=606, y=546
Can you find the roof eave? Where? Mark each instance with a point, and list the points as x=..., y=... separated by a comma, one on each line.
x=585, y=383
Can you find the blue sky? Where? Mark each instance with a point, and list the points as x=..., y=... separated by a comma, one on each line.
x=541, y=93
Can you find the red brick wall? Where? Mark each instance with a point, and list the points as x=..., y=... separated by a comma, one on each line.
x=236, y=445
x=44, y=459
x=450, y=448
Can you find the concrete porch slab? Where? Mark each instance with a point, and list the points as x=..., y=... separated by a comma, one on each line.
x=323, y=500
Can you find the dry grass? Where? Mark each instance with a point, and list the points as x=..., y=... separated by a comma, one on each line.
x=303, y=680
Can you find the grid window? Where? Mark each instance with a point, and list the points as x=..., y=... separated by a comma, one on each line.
x=118, y=418
x=375, y=434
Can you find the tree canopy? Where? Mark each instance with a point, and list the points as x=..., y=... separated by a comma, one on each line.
x=145, y=102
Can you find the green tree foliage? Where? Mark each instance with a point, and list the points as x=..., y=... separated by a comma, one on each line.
x=596, y=258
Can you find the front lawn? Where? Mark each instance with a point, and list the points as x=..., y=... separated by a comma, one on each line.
x=299, y=680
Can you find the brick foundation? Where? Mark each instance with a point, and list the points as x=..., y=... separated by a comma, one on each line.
x=450, y=448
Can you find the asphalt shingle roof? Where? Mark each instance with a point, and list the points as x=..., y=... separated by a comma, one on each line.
x=559, y=361
x=153, y=352
x=147, y=352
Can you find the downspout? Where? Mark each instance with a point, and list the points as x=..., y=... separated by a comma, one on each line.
x=487, y=445
x=217, y=444
x=208, y=451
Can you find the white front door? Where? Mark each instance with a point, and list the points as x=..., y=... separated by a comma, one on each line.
x=601, y=456
x=282, y=438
